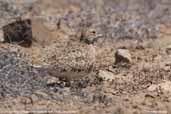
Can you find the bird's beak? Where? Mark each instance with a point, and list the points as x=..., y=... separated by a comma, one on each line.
x=99, y=36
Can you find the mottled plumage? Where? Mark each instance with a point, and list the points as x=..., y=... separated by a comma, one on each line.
x=70, y=60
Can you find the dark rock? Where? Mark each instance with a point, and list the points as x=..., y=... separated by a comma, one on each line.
x=19, y=32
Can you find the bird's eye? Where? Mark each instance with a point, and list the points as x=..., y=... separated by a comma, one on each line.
x=94, y=32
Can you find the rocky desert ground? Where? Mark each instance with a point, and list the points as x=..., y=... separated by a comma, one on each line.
x=85, y=56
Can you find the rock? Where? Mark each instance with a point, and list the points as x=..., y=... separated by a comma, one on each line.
x=164, y=87
x=146, y=67
x=123, y=56
x=19, y=32
x=41, y=94
x=165, y=29
x=52, y=81
x=168, y=49
x=106, y=75
x=160, y=43
x=165, y=66
x=34, y=98
x=152, y=87
x=1, y=36
x=26, y=100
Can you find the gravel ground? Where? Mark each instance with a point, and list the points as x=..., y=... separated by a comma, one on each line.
x=17, y=77
x=121, y=23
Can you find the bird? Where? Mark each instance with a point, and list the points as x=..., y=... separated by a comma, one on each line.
x=69, y=60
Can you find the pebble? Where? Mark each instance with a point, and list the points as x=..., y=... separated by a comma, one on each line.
x=123, y=56
x=106, y=75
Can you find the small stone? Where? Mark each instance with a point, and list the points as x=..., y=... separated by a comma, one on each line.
x=146, y=67
x=1, y=36
x=25, y=100
x=52, y=80
x=34, y=98
x=123, y=56
x=164, y=87
x=106, y=75
x=165, y=65
x=168, y=49
x=152, y=88
x=41, y=94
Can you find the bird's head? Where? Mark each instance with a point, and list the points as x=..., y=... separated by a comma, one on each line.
x=90, y=36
